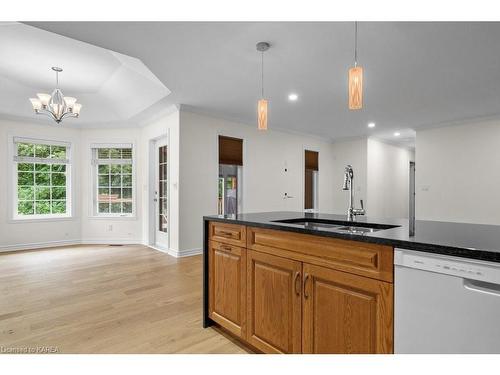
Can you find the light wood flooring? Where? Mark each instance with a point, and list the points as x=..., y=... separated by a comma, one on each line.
x=105, y=299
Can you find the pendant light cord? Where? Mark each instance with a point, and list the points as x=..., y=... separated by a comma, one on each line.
x=57, y=79
x=355, y=43
x=262, y=72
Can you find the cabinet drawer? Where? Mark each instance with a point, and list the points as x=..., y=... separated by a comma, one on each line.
x=228, y=233
x=361, y=258
x=227, y=248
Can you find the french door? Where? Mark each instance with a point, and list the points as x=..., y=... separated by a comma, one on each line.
x=161, y=194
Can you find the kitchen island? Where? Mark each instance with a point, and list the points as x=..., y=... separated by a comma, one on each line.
x=292, y=282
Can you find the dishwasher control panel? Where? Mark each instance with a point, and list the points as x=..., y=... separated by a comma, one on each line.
x=465, y=268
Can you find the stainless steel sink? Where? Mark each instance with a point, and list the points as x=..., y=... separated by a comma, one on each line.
x=337, y=225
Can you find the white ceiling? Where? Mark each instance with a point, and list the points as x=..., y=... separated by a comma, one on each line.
x=112, y=87
x=415, y=74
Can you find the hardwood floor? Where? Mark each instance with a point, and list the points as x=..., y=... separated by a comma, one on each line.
x=104, y=299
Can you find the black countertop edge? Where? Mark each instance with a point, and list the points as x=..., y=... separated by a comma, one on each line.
x=395, y=237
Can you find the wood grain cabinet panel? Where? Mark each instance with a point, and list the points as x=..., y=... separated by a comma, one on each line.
x=274, y=303
x=344, y=313
x=232, y=234
x=227, y=279
x=361, y=258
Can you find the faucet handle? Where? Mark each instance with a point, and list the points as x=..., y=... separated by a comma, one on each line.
x=361, y=201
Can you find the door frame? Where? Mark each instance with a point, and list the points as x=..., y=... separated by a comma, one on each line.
x=303, y=177
x=152, y=170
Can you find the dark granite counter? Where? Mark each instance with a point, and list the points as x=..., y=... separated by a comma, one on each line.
x=472, y=241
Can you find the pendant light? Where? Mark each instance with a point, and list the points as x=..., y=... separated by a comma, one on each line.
x=356, y=78
x=262, y=103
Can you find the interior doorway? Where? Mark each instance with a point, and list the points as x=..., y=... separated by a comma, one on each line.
x=311, y=176
x=229, y=190
x=161, y=194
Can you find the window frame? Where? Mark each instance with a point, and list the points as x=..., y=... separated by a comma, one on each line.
x=94, y=210
x=13, y=187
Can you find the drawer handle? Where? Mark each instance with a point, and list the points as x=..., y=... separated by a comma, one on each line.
x=225, y=247
x=296, y=278
x=225, y=233
x=306, y=277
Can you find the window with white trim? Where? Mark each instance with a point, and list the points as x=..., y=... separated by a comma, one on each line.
x=114, y=193
x=41, y=179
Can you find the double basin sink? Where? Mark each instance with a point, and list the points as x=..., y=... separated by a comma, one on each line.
x=337, y=226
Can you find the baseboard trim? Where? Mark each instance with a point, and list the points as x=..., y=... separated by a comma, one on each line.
x=175, y=253
x=38, y=245
x=92, y=241
x=44, y=245
x=110, y=241
x=157, y=248
x=184, y=253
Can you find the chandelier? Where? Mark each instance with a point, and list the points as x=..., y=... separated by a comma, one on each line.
x=57, y=106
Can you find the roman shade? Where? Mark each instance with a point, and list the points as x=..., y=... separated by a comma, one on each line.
x=311, y=160
x=230, y=150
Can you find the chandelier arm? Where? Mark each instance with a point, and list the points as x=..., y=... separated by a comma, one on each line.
x=68, y=114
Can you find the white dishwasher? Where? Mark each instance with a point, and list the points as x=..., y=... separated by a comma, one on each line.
x=445, y=304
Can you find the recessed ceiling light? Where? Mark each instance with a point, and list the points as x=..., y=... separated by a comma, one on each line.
x=371, y=125
x=397, y=134
x=293, y=97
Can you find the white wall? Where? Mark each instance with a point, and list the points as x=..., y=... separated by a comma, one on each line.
x=458, y=173
x=265, y=155
x=16, y=234
x=83, y=227
x=99, y=229
x=388, y=179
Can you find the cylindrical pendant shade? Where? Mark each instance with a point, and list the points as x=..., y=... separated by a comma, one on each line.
x=262, y=114
x=356, y=88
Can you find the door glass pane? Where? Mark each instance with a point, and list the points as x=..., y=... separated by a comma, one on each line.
x=162, y=189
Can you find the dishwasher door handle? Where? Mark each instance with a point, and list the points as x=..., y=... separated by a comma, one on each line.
x=482, y=287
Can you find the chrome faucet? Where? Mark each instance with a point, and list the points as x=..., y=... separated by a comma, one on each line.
x=349, y=185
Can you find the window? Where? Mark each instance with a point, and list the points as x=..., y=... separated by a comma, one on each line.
x=113, y=180
x=41, y=177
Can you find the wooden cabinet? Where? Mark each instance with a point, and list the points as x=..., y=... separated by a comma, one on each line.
x=296, y=293
x=274, y=303
x=227, y=286
x=345, y=313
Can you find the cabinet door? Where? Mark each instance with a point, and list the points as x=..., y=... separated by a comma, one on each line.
x=227, y=283
x=345, y=313
x=274, y=303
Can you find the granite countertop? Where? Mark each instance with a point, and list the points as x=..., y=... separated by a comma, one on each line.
x=474, y=241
